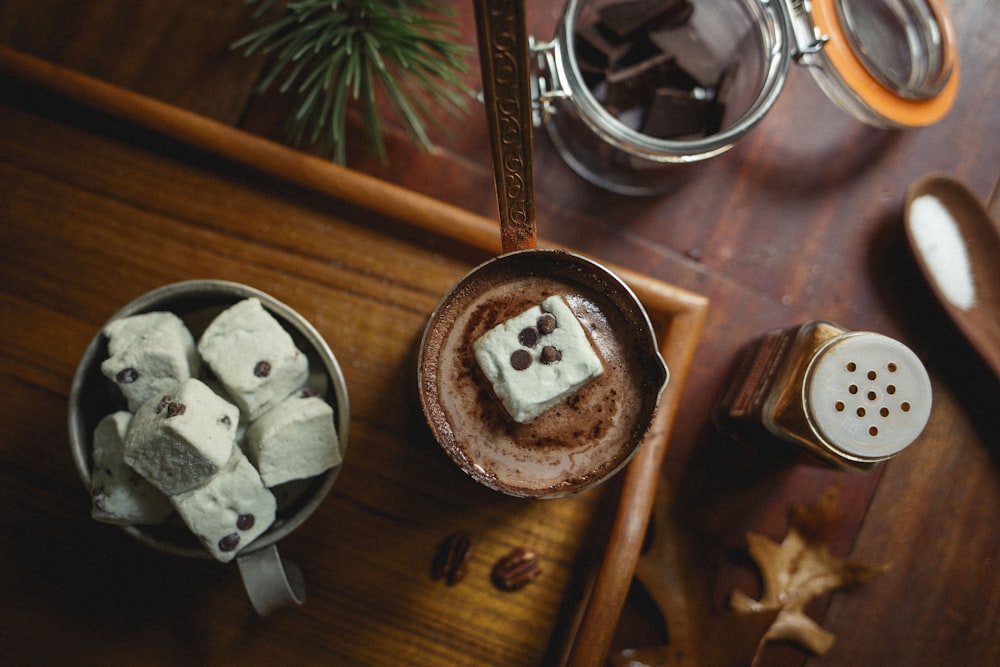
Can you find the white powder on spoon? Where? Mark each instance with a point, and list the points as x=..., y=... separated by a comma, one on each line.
x=940, y=243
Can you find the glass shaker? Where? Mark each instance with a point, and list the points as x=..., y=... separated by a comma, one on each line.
x=819, y=393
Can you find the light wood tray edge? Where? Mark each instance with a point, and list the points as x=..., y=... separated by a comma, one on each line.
x=592, y=631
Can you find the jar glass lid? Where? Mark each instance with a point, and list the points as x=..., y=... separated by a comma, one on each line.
x=900, y=43
x=896, y=57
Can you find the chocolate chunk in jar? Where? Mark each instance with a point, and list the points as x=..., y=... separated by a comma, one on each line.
x=595, y=51
x=659, y=77
x=625, y=19
x=675, y=114
x=639, y=51
x=635, y=86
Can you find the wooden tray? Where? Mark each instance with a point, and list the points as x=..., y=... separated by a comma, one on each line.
x=125, y=193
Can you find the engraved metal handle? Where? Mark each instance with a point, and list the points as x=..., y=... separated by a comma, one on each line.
x=503, y=57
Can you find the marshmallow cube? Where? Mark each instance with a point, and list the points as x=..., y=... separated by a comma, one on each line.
x=537, y=359
x=295, y=440
x=181, y=439
x=230, y=510
x=253, y=357
x=119, y=494
x=149, y=354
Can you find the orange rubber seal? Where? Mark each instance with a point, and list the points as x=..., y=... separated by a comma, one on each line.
x=882, y=100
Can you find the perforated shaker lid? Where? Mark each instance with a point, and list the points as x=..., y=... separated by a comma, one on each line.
x=868, y=395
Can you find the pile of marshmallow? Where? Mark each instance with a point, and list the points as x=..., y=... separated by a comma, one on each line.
x=210, y=428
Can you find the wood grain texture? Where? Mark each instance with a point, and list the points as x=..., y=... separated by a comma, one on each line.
x=801, y=220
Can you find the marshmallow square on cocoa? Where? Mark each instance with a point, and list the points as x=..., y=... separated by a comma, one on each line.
x=537, y=359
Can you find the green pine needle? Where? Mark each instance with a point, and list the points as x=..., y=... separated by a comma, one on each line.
x=334, y=52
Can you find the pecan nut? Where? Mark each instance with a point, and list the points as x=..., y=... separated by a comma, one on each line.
x=516, y=570
x=451, y=560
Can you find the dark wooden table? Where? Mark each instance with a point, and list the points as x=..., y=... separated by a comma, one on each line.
x=800, y=221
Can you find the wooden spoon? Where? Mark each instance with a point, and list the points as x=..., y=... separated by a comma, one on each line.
x=939, y=237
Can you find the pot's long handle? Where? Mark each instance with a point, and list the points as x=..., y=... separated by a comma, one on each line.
x=503, y=57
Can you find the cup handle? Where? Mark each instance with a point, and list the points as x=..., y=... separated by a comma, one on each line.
x=269, y=582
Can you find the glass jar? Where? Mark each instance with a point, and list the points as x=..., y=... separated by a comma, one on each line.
x=627, y=88
x=847, y=399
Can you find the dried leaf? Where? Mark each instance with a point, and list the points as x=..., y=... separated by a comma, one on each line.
x=793, y=573
x=798, y=570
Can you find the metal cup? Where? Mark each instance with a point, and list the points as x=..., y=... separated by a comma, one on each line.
x=269, y=581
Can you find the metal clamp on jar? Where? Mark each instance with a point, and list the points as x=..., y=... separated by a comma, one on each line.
x=627, y=88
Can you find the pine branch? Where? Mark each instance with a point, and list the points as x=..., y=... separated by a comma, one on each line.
x=331, y=53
